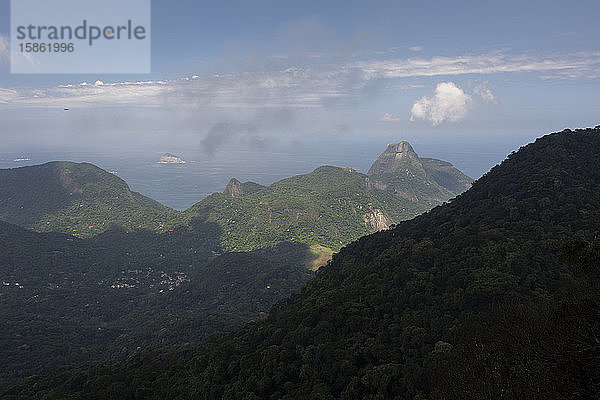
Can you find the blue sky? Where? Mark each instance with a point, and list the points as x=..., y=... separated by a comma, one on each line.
x=267, y=74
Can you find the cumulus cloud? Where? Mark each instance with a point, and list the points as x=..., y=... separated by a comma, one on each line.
x=486, y=94
x=449, y=103
x=389, y=118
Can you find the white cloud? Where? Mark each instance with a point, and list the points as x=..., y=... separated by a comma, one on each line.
x=584, y=65
x=449, y=103
x=486, y=94
x=290, y=87
x=7, y=95
x=415, y=48
x=285, y=85
x=4, y=49
x=389, y=118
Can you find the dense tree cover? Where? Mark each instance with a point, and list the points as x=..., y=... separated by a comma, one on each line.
x=540, y=349
x=138, y=275
x=75, y=198
x=331, y=206
x=328, y=207
x=64, y=301
x=394, y=307
x=446, y=175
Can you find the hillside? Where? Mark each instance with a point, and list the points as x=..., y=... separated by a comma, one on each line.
x=324, y=210
x=424, y=181
x=138, y=275
x=376, y=321
x=65, y=301
x=331, y=206
x=76, y=198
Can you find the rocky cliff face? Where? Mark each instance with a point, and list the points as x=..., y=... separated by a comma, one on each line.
x=377, y=220
x=234, y=188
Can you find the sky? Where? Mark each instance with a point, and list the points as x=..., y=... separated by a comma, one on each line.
x=487, y=76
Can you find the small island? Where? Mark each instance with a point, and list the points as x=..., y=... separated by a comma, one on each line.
x=169, y=158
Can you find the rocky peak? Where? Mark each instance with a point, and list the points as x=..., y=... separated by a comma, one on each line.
x=402, y=149
x=394, y=153
x=234, y=188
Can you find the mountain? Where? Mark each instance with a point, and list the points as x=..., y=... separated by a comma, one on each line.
x=424, y=181
x=139, y=276
x=331, y=206
x=76, y=198
x=390, y=308
x=236, y=189
x=325, y=209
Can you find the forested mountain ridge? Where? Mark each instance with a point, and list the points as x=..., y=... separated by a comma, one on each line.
x=324, y=209
x=138, y=275
x=75, y=198
x=391, y=307
x=422, y=180
x=331, y=206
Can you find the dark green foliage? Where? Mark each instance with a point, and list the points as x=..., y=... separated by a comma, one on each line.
x=65, y=300
x=331, y=206
x=540, y=349
x=76, y=198
x=252, y=187
x=142, y=276
x=446, y=175
x=324, y=207
x=390, y=307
